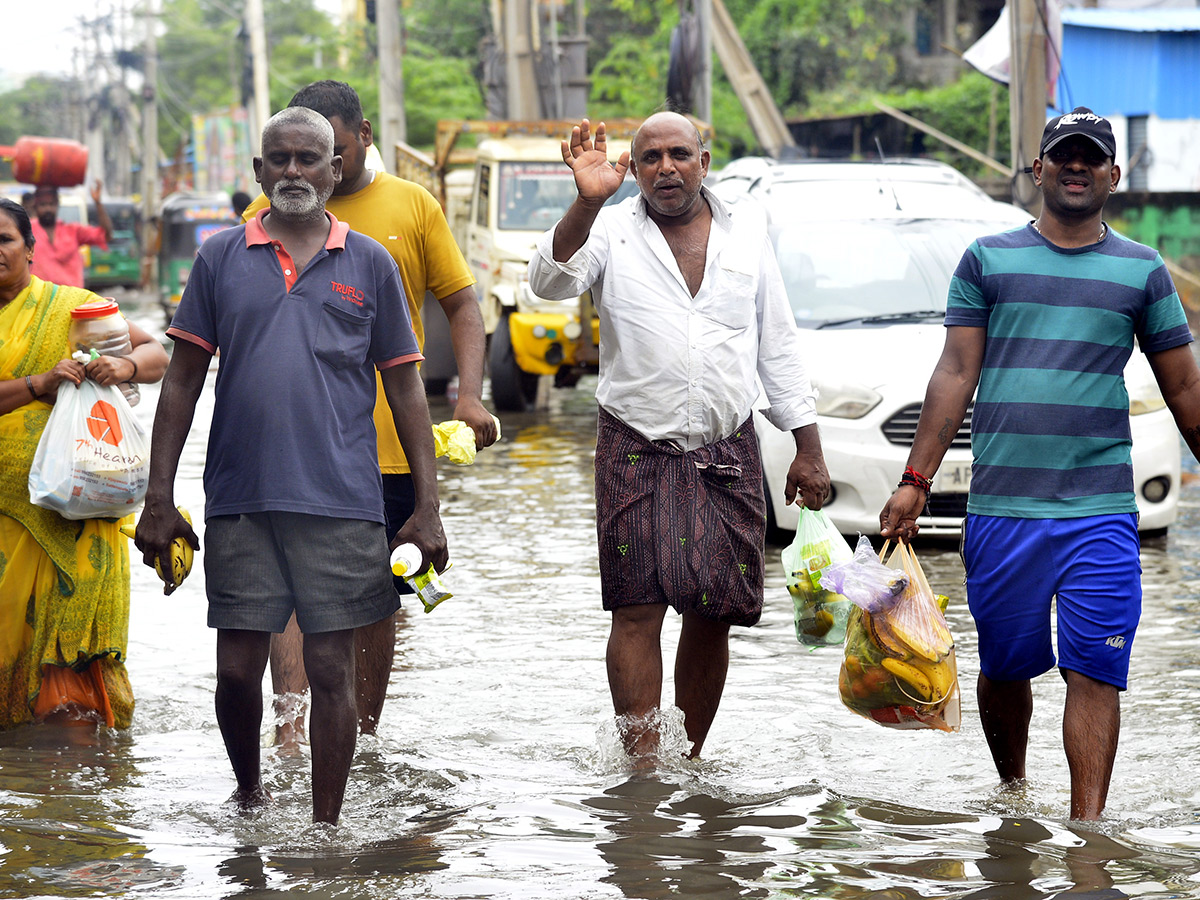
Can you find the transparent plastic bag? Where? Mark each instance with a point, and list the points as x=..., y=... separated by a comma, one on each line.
x=820, y=614
x=93, y=459
x=899, y=668
x=864, y=580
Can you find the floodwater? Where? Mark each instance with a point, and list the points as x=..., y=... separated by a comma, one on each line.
x=496, y=772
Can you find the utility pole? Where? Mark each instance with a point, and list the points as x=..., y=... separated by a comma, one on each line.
x=1026, y=93
x=150, y=179
x=257, y=30
x=702, y=92
x=391, y=126
x=96, y=119
x=523, y=98
x=122, y=162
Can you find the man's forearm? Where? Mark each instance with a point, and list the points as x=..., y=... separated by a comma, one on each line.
x=942, y=415
x=950, y=390
x=172, y=422
x=573, y=229
x=468, y=339
x=406, y=398
x=104, y=221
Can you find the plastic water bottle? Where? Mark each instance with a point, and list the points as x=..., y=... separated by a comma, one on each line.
x=99, y=326
x=406, y=559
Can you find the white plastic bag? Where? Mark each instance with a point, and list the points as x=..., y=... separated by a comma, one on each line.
x=93, y=460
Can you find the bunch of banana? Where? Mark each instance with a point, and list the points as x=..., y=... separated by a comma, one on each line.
x=929, y=640
x=181, y=554
x=925, y=683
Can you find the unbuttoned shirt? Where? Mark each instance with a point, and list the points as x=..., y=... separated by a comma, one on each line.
x=676, y=367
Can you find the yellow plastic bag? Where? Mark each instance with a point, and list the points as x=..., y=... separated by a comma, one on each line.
x=455, y=440
x=899, y=668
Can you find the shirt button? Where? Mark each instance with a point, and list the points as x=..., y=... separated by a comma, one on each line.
x=287, y=271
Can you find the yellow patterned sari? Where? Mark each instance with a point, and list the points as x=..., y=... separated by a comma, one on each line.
x=64, y=585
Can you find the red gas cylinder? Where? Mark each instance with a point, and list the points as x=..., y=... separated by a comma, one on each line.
x=54, y=161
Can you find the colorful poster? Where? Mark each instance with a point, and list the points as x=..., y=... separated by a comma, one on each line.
x=221, y=152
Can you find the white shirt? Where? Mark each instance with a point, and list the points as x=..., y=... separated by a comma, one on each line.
x=673, y=366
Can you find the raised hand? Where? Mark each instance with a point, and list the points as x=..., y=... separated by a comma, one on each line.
x=596, y=179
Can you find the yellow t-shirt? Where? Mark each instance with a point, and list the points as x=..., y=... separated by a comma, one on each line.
x=408, y=221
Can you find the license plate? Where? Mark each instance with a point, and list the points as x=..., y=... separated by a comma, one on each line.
x=953, y=478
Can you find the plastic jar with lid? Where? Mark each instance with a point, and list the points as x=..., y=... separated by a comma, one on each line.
x=99, y=326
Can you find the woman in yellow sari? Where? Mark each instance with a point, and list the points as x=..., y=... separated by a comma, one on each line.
x=64, y=585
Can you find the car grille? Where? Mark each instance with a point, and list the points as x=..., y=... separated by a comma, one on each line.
x=901, y=428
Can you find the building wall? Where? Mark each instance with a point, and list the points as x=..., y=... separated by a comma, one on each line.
x=1169, y=222
x=1171, y=161
x=1174, y=149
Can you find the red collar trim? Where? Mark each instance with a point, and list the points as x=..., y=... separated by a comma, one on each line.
x=256, y=232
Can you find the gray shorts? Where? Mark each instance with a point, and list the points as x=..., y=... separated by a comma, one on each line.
x=259, y=567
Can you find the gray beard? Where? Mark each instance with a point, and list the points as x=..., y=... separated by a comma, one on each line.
x=310, y=206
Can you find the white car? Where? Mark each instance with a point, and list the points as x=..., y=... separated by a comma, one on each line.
x=867, y=251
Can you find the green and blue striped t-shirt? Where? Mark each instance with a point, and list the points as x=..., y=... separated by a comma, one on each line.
x=1050, y=429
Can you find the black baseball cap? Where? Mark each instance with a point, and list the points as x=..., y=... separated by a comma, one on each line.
x=1079, y=121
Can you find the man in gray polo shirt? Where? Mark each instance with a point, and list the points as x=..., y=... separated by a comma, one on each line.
x=302, y=311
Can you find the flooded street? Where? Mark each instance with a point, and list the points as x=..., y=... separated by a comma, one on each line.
x=496, y=772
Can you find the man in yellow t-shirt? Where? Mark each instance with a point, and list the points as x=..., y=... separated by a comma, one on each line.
x=408, y=221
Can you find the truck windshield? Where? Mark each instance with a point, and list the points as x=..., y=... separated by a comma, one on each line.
x=534, y=195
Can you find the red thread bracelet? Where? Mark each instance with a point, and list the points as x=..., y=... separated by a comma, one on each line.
x=916, y=479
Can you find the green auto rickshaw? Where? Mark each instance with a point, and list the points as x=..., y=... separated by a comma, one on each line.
x=121, y=264
x=188, y=219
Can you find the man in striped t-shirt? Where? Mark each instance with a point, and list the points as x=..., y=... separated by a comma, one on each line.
x=1042, y=320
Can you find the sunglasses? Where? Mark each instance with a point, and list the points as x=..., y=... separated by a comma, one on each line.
x=1090, y=154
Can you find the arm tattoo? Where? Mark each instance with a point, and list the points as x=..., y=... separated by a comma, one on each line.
x=945, y=436
x=1192, y=436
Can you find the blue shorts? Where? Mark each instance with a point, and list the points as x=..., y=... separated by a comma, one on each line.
x=1015, y=567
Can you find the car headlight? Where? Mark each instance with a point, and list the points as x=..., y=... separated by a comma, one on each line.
x=845, y=401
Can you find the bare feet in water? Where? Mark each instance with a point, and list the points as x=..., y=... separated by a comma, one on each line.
x=248, y=800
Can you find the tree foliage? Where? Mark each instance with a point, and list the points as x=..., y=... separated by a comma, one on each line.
x=817, y=57
x=42, y=106
x=973, y=110
x=803, y=48
x=204, y=61
x=205, y=64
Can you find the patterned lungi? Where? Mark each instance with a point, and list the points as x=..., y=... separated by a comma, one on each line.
x=683, y=528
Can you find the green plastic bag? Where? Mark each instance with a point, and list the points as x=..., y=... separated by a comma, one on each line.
x=820, y=614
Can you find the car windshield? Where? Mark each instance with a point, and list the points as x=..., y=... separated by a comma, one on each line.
x=534, y=195
x=845, y=272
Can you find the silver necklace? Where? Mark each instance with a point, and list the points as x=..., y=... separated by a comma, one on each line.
x=1103, y=230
